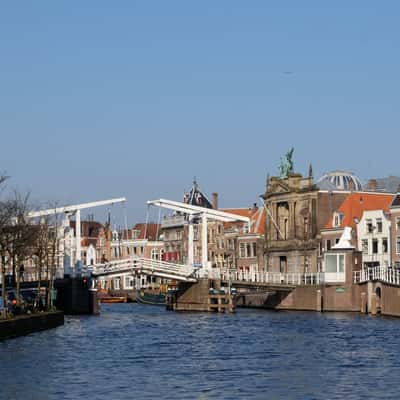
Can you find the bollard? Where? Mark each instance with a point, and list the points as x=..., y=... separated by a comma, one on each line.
x=364, y=305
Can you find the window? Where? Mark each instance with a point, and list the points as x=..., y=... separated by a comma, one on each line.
x=334, y=268
x=254, y=249
x=242, y=250
x=379, y=225
x=128, y=251
x=398, y=245
x=248, y=250
x=154, y=254
x=364, y=246
x=369, y=227
x=374, y=246
x=328, y=244
x=384, y=245
x=128, y=282
x=135, y=234
x=337, y=219
x=398, y=223
x=117, y=283
x=336, y=223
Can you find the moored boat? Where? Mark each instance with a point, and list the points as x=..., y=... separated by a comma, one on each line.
x=151, y=298
x=113, y=299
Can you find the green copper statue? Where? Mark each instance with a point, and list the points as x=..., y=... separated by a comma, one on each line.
x=286, y=165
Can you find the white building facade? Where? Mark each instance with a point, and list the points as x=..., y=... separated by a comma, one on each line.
x=373, y=232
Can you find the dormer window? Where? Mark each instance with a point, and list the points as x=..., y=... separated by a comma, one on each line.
x=135, y=234
x=337, y=219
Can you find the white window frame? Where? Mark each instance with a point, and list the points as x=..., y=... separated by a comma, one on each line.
x=340, y=274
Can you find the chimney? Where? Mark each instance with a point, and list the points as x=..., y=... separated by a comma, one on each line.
x=215, y=200
x=372, y=185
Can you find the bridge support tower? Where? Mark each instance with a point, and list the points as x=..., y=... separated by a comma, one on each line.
x=204, y=295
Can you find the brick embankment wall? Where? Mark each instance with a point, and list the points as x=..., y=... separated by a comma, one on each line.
x=307, y=298
x=26, y=324
x=301, y=298
x=390, y=302
x=344, y=297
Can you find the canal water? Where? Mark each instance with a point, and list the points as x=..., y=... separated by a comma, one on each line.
x=134, y=351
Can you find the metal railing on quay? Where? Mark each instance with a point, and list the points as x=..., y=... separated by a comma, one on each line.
x=276, y=278
x=383, y=274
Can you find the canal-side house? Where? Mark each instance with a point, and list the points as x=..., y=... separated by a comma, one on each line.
x=350, y=233
x=395, y=231
x=373, y=234
x=93, y=243
x=241, y=246
x=143, y=240
x=174, y=229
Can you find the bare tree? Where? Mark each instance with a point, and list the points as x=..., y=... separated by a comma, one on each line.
x=7, y=212
x=24, y=234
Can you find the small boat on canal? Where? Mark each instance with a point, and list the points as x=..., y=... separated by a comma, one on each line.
x=151, y=298
x=113, y=299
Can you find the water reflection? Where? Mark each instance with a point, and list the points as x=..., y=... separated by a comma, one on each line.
x=144, y=352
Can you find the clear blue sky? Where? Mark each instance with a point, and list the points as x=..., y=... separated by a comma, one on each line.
x=101, y=99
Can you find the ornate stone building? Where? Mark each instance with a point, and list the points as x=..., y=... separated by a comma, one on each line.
x=297, y=210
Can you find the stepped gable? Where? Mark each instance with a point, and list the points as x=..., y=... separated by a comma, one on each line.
x=196, y=197
x=356, y=203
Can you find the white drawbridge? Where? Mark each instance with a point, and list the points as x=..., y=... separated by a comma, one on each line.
x=145, y=266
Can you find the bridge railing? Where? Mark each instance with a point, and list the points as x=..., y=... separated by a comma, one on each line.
x=179, y=269
x=277, y=278
x=383, y=274
x=139, y=264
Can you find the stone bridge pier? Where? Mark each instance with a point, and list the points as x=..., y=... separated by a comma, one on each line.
x=380, y=298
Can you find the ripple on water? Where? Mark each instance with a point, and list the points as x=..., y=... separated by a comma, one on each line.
x=144, y=352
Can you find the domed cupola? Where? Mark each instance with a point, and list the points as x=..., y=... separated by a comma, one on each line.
x=340, y=180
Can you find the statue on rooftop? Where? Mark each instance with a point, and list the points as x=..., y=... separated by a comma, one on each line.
x=286, y=165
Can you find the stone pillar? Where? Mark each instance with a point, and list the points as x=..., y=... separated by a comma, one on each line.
x=291, y=221
x=373, y=304
x=364, y=303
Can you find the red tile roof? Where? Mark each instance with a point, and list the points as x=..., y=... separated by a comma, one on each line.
x=150, y=231
x=357, y=202
x=256, y=215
